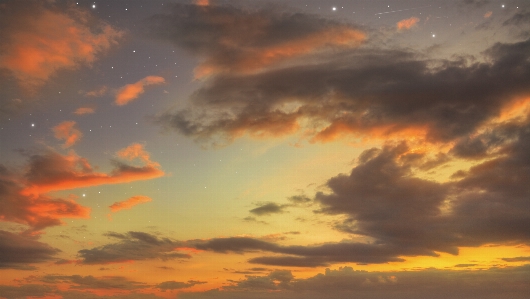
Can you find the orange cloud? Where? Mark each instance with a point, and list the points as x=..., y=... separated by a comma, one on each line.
x=84, y=110
x=38, y=211
x=202, y=2
x=66, y=131
x=407, y=23
x=53, y=171
x=129, y=203
x=131, y=91
x=488, y=14
x=97, y=92
x=37, y=45
x=259, y=58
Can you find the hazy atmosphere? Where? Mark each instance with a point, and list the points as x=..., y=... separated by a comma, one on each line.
x=265, y=149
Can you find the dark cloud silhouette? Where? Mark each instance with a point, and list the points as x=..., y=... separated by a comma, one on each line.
x=133, y=246
x=175, y=285
x=91, y=282
x=21, y=252
x=517, y=259
x=25, y=291
x=268, y=209
x=347, y=283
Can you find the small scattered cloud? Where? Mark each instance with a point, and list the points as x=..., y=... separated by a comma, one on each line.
x=407, y=24
x=176, y=285
x=268, y=209
x=129, y=203
x=488, y=14
x=84, y=110
x=132, y=91
x=68, y=132
x=133, y=246
x=517, y=259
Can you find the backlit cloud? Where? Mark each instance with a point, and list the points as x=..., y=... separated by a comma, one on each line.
x=132, y=91
x=368, y=94
x=52, y=171
x=39, y=40
x=233, y=40
x=133, y=246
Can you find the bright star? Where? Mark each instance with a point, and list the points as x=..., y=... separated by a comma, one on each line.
x=93, y=5
x=334, y=8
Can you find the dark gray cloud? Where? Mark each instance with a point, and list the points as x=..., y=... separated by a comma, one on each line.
x=348, y=283
x=403, y=215
x=133, y=246
x=175, y=285
x=91, y=282
x=231, y=39
x=21, y=252
x=310, y=256
x=517, y=259
x=364, y=91
x=268, y=209
x=25, y=291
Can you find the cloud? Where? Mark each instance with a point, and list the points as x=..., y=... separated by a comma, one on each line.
x=517, y=259
x=84, y=110
x=346, y=282
x=91, y=282
x=25, y=291
x=488, y=14
x=363, y=93
x=37, y=211
x=96, y=92
x=176, y=285
x=68, y=132
x=310, y=256
x=132, y=91
x=41, y=39
x=407, y=24
x=21, y=251
x=267, y=209
x=133, y=246
x=229, y=39
x=404, y=215
x=52, y=171
x=129, y=203
x=518, y=19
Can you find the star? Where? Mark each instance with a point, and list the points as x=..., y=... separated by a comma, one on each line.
x=93, y=5
x=333, y=8
x=33, y=125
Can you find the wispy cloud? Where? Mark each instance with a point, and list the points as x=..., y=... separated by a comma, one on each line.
x=132, y=91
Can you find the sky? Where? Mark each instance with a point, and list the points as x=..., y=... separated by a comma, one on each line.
x=265, y=149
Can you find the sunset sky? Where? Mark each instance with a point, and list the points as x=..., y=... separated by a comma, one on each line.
x=265, y=149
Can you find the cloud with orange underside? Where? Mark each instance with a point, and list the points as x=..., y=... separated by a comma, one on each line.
x=259, y=58
x=129, y=203
x=68, y=132
x=130, y=92
x=53, y=172
x=37, y=46
x=407, y=24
